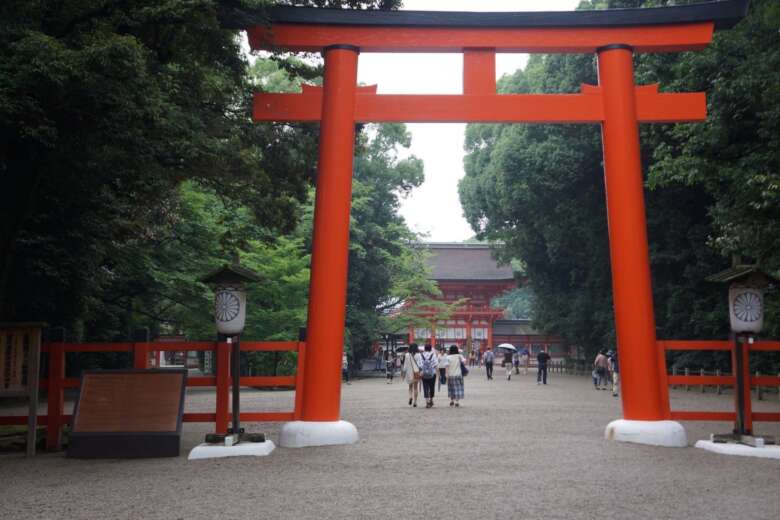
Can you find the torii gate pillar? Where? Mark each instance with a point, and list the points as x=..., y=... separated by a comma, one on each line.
x=320, y=422
x=645, y=402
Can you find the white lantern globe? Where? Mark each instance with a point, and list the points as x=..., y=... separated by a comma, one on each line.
x=746, y=296
x=746, y=309
x=230, y=297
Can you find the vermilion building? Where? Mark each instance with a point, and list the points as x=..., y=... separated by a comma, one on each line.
x=465, y=271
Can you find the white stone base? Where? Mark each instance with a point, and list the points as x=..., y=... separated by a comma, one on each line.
x=725, y=448
x=300, y=434
x=670, y=434
x=243, y=449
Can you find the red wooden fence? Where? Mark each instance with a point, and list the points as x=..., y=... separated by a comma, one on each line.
x=56, y=383
x=731, y=380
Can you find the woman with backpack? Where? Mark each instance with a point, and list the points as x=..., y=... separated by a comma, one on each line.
x=430, y=363
x=455, y=371
x=411, y=369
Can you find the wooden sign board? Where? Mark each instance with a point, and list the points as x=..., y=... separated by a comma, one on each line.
x=128, y=414
x=20, y=354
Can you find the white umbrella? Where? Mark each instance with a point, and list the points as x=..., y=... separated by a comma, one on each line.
x=507, y=346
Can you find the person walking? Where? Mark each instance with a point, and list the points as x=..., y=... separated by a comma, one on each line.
x=541, y=371
x=526, y=361
x=412, y=372
x=443, y=363
x=615, y=369
x=429, y=367
x=455, y=366
x=489, y=357
x=601, y=364
x=345, y=367
x=389, y=366
x=508, y=364
x=516, y=362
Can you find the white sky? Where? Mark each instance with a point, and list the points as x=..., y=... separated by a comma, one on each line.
x=434, y=208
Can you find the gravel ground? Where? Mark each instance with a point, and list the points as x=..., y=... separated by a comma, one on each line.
x=513, y=450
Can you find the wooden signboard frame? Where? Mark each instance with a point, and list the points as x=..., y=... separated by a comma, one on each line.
x=20, y=361
x=104, y=433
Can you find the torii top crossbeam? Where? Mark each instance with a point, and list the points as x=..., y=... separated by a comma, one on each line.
x=662, y=29
x=479, y=36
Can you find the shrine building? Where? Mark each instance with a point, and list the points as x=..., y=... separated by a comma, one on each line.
x=469, y=271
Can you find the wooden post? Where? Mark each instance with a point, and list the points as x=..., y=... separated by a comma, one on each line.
x=141, y=349
x=56, y=396
x=719, y=387
x=223, y=387
x=300, y=380
x=33, y=382
x=701, y=373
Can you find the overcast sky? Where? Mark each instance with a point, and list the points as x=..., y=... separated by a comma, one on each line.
x=434, y=208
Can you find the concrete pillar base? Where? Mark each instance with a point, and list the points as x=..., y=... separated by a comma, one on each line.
x=670, y=434
x=244, y=449
x=300, y=434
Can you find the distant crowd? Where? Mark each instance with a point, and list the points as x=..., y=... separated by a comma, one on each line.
x=431, y=368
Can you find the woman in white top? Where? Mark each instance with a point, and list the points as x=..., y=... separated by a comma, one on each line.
x=455, y=376
x=412, y=372
x=443, y=364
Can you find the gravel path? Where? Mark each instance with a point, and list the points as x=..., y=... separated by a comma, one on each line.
x=513, y=450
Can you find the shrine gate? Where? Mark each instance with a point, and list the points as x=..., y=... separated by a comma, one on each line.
x=616, y=103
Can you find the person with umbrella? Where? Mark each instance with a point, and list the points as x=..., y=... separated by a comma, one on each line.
x=508, y=350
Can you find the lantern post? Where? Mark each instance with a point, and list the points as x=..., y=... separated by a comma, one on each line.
x=746, y=317
x=229, y=284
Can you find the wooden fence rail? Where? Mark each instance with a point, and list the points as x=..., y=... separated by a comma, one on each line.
x=718, y=380
x=56, y=382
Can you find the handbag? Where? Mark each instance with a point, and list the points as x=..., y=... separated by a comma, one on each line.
x=464, y=370
x=416, y=374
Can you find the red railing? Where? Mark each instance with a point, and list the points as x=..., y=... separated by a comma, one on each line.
x=730, y=380
x=56, y=383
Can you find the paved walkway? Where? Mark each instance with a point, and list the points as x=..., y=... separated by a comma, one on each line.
x=513, y=450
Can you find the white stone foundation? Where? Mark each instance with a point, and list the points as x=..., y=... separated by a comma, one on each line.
x=300, y=434
x=243, y=449
x=670, y=434
x=767, y=452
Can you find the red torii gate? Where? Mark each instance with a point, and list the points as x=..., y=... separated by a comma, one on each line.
x=616, y=103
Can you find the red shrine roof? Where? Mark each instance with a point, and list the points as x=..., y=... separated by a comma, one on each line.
x=465, y=262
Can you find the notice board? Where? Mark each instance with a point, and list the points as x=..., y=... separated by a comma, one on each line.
x=20, y=361
x=128, y=414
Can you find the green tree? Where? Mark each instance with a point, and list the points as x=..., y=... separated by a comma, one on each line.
x=380, y=241
x=105, y=107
